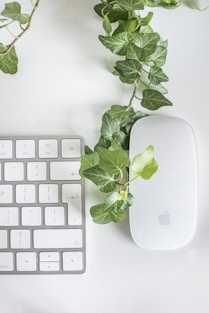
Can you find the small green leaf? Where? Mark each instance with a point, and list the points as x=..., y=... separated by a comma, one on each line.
x=153, y=100
x=88, y=161
x=103, y=142
x=109, y=127
x=158, y=58
x=120, y=111
x=136, y=53
x=147, y=41
x=114, y=12
x=147, y=19
x=88, y=150
x=144, y=164
x=9, y=61
x=156, y=75
x=100, y=214
x=104, y=181
x=13, y=11
x=160, y=88
x=132, y=25
x=129, y=70
x=107, y=25
x=120, y=142
x=112, y=162
x=116, y=43
x=131, y=5
x=114, y=208
x=24, y=19
x=103, y=214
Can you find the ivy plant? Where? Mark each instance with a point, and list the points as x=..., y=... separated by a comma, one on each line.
x=12, y=14
x=141, y=56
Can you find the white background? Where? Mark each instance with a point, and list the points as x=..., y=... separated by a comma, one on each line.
x=63, y=86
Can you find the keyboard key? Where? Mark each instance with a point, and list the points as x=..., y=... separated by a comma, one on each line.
x=42, y=229
x=25, y=193
x=65, y=170
x=49, y=261
x=5, y=149
x=72, y=261
x=25, y=149
x=3, y=239
x=54, y=216
x=20, y=239
x=49, y=266
x=48, y=193
x=26, y=261
x=6, y=261
x=71, y=148
x=13, y=171
x=71, y=194
x=57, y=238
x=6, y=194
x=8, y=216
x=36, y=171
x=31, y=216
x=49, y=256
x=48, y=148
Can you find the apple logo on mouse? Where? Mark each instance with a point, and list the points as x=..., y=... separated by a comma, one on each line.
x=164, y=218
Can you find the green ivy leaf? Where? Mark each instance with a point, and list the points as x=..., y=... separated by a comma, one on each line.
x=88, y=150
x=88, y=161
x=13, y=11
x=136, y=53
x=107, y=25
x=159, y=87
x=158, y=58
x=116, y=43
x=103, y=214
x=114, y=12
x=114, y=208
x=144, y=164
x=131, y=5
x=112, y=162
x=24, y=19
x=118, y=111
x=147, y=19
x=156, y=75
x=103, y=142
x=9, y=61
x=109, y=127
x=120, y=142
x=147, y=41
x=128, y=70
x=104, y=181
x=153, y=99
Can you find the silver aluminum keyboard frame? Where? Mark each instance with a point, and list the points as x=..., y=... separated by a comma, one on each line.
x=82, y=227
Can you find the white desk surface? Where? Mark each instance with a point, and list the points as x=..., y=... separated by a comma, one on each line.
x=63, y=86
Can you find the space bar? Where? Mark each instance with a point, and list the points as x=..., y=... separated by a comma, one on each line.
x=57, y=238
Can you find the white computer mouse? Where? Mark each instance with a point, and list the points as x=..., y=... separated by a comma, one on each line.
x=163, y=215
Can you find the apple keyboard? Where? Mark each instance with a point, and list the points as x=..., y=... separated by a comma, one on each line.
x=42, y=207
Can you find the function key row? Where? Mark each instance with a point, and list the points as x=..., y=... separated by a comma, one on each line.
x=42, y=148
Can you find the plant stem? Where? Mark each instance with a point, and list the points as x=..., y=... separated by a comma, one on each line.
x=35, y=6
x=128, y=182
x=133, y=96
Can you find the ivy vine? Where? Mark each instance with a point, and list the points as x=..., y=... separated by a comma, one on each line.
x=12, y=14
x=141, y=56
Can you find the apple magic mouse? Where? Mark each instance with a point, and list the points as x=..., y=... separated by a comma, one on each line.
x=163, y=215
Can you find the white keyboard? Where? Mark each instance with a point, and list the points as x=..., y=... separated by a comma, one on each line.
x=42, y=207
